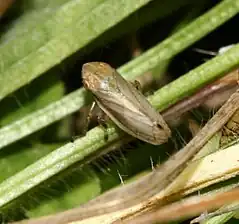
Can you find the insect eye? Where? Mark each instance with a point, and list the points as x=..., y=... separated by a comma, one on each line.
x=159, y=126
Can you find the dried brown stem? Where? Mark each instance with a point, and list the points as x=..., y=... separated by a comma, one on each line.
x=227, y=82
x=143, y=189
x=189, y=207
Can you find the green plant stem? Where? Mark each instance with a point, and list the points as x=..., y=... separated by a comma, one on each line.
x=67, y=155
x=163, y=51
x=181, y=39
x=53, y=163
x=67, y=29
x=196, y=78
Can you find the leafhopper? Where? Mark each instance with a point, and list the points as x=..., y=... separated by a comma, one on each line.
x=124, y=104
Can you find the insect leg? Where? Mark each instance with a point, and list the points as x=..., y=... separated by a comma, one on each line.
x=137, y=85
x=89, y=117
x=102, y=118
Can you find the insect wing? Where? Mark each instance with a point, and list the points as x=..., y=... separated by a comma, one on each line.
x=124, y=104
x=131, y=111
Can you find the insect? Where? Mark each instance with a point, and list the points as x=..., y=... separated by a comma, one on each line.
x=124, y=104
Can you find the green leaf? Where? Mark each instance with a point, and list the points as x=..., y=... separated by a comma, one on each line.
x=64, y=31
x=30, y=98
x=152, y=58
x=72, y=191
x=82, y=148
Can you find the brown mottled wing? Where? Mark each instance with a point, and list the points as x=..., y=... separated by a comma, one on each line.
x=132, y=118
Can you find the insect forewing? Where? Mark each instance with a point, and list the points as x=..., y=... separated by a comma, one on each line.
x=124, y=104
